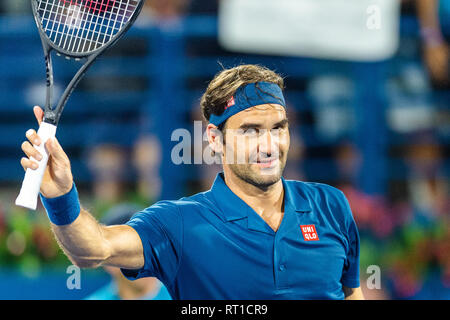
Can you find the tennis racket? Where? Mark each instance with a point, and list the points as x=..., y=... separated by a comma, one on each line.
x=78, y=29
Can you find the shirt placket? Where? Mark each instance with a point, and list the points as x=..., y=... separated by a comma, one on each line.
x=281, y=267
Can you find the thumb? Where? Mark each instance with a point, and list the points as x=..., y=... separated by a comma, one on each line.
x=55, y=150
x=38, y=113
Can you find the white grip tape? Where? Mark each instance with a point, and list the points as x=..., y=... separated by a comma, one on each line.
x=33, y=178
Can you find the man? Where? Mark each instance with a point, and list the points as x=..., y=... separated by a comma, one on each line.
x=254, y=235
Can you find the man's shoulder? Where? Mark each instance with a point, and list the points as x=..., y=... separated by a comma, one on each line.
x=200, y=200
x=314, y=189
x=325, y=199
x=193, y=202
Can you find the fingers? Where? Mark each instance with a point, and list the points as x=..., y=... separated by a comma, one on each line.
x=33, y=137
x=52, y=145
x=27, y=163
x=31, y=151
x=39, y=114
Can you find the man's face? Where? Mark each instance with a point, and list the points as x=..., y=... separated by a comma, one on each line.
x=256, y=144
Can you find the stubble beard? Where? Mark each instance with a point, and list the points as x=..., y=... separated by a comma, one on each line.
x=260, y=178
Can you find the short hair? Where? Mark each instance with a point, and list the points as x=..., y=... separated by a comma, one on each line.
x=225, y=84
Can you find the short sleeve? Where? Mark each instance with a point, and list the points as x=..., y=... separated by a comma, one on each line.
x=161, y=231
x=350, y=274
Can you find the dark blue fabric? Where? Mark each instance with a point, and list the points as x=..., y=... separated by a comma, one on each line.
x=253, y=94
x=62, y=210
x=212, y=245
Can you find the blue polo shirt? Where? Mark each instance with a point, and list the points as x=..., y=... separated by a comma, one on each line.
x=212, y=245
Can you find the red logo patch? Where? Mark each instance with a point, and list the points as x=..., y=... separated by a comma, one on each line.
x=230, y=103
x=309, y=232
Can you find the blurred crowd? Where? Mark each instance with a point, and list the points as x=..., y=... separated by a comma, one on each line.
x=405, y=231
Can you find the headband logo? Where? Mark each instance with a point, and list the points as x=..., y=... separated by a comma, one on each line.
x=230, y=103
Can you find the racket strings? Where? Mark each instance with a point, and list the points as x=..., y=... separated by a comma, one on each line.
x=82, y=26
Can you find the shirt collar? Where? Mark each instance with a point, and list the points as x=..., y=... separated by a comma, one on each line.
x=234, y=208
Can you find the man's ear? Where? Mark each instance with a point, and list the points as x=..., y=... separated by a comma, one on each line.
x=215, y=138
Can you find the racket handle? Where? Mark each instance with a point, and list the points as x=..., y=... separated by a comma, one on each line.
x=33, y=178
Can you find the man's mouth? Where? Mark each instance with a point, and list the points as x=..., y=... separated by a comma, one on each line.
x=267, y=162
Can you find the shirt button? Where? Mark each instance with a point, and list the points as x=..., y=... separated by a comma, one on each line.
x=282, y=267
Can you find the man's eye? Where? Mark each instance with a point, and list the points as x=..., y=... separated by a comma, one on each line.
x=251, y=131
x=277, y=129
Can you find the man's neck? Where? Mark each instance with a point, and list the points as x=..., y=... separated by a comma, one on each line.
x=268, y=202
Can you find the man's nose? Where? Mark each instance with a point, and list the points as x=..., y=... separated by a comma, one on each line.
x=268, y=143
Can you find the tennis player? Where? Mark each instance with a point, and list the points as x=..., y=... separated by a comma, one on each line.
x=253, y=235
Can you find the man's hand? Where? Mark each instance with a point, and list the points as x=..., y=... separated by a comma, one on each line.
x=57, y=179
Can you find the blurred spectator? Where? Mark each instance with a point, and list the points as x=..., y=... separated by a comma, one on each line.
x=373, y=214
x=15, y=6
x=147, y=159
x=117, y=171
x=121, y=288
x=163, y=13
x=435, y=45
x=107, y=164
x=427, y=184
x=165, y=9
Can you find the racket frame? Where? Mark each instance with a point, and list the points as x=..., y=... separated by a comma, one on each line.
x=52, y=115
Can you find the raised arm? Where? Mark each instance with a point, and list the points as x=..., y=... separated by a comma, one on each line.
x=84, y=240
x=88, y=244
